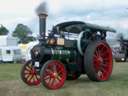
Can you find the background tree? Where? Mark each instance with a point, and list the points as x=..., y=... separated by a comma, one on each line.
x=3, y=30
x=24, y=33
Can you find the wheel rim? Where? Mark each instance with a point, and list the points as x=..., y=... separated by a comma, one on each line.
x=30, y=75
x=54, y=75
x=102, y=61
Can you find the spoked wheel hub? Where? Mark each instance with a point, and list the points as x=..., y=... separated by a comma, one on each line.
x=29, y=74
x=53, y=74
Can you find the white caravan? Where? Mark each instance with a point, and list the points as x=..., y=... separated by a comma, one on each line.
x=9, y=50
x=10, y=54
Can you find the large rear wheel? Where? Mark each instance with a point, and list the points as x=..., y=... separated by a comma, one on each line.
x=29, y=74
x=98, y=61
x=53, y=74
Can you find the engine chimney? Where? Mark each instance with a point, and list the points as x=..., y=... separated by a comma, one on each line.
x=42, y=13
x=42, y=24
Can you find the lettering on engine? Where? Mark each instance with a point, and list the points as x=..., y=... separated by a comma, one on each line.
x=61, y=52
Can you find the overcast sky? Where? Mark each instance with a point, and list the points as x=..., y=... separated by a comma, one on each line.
x=103, y=12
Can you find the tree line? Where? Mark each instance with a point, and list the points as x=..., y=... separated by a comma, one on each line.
x=22, y=32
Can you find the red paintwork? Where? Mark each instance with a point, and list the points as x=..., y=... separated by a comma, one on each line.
x=31, y=76
x=54, y=75
x=102, y=61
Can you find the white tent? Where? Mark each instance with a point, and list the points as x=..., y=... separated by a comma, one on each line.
x=8, y=40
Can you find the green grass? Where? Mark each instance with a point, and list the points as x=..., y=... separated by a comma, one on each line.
x=9, y=71
x=12, y=85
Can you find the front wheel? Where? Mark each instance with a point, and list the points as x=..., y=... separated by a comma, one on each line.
x=53, y=74
x=29, y=74
x=98, y=61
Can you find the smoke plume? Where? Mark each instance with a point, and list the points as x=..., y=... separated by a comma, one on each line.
x=42, y=8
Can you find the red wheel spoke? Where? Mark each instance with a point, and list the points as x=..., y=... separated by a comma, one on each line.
x=30, y=65
x=37, y=77
x=49, y=81
x=26, y=72
x=104, y=65
x=28, y=68
x=52, y=82
x=103, y=70
x=47, y=77
x=102, y=49
x=59, y=78
x=97, y=53
x=49, y=71
x=54, y=68
x=60, y=73
x=29, y=78
x=34, y=78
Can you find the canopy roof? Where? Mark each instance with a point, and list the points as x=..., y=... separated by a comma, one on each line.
x=78, y=26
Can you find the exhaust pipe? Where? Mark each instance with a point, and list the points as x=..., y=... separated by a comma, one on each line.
x=42, y=13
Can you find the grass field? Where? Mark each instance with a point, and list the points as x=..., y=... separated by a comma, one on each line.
x=11, y=84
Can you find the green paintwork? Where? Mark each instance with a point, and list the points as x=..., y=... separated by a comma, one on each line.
x=62, y=54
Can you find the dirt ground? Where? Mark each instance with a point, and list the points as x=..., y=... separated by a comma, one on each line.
x=11, y=84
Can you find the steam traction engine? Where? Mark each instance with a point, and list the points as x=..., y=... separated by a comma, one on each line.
x=71, y=49
x=121, y=52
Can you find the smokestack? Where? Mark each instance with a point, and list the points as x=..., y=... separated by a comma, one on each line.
x=42, y=13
